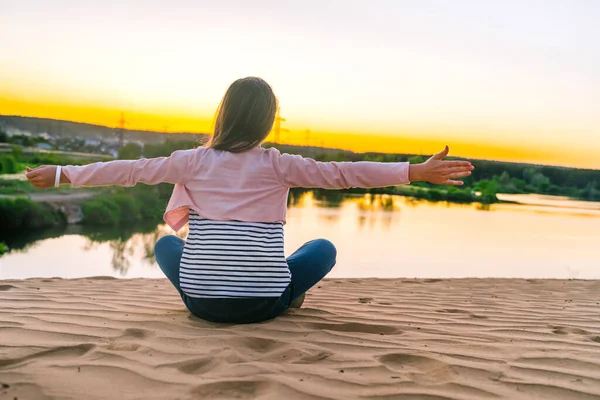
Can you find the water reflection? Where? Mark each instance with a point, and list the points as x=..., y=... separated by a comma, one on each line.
x=376, y=235
x=123, y=242
x=328, y=198
x=371, y=211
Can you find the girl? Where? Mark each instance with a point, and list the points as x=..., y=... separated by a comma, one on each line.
x=233, y=193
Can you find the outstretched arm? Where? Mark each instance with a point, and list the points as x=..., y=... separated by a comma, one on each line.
x=297, y=171
x=436, y=170
x=173, y=169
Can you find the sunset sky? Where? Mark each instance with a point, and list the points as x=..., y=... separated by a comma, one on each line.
x=510, y=80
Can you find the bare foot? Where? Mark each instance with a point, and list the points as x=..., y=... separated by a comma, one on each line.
x=298, y=302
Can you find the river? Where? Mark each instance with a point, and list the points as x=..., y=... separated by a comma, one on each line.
x=376, y=236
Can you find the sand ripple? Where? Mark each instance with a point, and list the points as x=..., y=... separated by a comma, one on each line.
x=431, y=339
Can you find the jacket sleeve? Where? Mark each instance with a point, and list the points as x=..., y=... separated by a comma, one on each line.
x=173, y=169
x=297, y=171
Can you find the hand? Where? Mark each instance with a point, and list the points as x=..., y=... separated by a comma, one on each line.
x=42, y=177
x=436, y=170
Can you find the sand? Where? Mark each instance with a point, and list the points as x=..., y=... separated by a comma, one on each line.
x=102, y=338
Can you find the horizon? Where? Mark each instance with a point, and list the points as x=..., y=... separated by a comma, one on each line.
x=318, y=146
x=503, y=82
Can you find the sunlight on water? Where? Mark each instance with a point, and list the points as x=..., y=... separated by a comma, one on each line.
x=376, y=236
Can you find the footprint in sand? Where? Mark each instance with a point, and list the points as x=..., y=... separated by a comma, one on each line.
x=356, y=327
x=537, y=281
x=421, y=369
x=123, y=347
x=458, y=311
x=232, y=389
x=130, y=333
x=314, y=357
x=198, y=366
x=563, y=330
x=257, y=344
x=57, y=352
x=402, y=360
x=452, y=311
x=137, y=333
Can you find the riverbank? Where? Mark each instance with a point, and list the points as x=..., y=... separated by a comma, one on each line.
x=465, y=339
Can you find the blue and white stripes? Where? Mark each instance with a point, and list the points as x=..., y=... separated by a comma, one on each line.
x=229, y=259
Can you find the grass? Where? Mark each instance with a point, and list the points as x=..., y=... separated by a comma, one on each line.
x=16, y=187
x=20, y=214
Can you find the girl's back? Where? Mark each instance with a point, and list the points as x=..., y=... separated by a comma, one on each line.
x=234, y=193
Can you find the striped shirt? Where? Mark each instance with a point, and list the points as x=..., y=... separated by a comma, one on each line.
x=228, y=259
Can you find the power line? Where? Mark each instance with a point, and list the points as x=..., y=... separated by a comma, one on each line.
x=120, y=131
x=277, y=129
x=307, y=132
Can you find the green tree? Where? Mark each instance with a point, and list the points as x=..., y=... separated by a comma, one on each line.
x=131, y=151
x=130, y=208
x=101, y=211
x=3, y=137
x=374, y=157
x=434, y=195
x=590, y=192
x=505, y=179
x=528, y=174
x=459, y=195
x=541, y=181
x=17, y=152
x=21, y=214
x=488, y=189
x=519, y=184
x=168, y=147
x=416, y=159
x=8, y=165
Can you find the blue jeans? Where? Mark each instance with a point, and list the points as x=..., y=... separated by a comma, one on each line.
x=308, y=265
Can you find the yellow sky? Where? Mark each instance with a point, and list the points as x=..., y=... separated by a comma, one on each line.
x=493, y=81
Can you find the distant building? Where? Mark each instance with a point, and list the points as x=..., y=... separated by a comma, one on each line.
x=43, y=146
x=92, y=142
x=11, y=131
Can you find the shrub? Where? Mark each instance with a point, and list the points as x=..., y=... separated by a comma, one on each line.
x=17, y=215
x=434, y=195
x=459, y=195
x=8, y=165
x=131, y=151
x=126, y=206
x=129, y=208
x=101, y=211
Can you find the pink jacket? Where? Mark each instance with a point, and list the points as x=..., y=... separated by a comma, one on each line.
x=252, y=186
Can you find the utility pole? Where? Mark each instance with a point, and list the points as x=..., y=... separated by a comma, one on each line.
x=277, y=129
x=120, y=131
